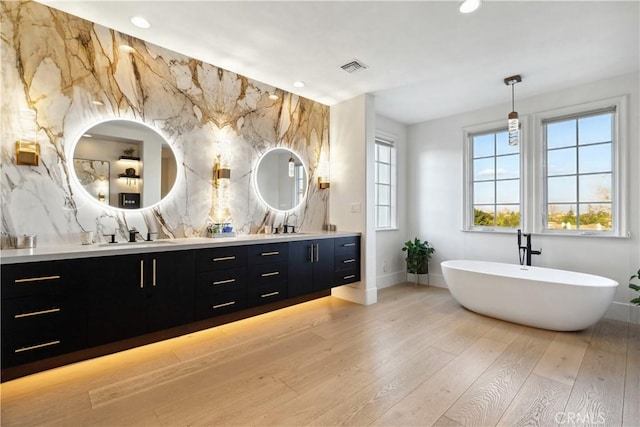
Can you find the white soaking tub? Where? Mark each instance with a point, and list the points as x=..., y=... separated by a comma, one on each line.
x=545, y=298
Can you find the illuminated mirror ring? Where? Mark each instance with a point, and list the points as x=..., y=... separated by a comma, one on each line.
x=281, y=179
x=123, y=164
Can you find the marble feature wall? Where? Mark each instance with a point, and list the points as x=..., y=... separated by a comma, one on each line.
x=74, y=73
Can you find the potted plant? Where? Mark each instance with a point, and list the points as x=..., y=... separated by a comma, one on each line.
x=635, y=287
x=418, y=255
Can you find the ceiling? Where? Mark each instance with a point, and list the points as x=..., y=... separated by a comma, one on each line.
x=426, y=60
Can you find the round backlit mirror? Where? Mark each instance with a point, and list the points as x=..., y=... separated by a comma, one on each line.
x=281, y=179
x=124, y=164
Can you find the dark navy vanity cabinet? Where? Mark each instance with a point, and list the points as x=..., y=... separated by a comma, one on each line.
x=56, y=312
x=310, y=266
x=221, y=281
x=43, y=310
x=268, y=273
x=129, y=295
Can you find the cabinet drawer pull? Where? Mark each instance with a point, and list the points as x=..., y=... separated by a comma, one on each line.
x=224, y=258
x=34, y=347
x=270, y=294
x=270, y=253
x=347, y=261
x=346, y=245
x=36, y=313
x=141, y=274
x=153, y=279
x=222, y=282
x=226, y=304
x=36, y=279
x=351, y=276
x=273, y=273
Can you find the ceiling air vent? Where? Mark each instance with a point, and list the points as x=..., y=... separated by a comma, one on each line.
x=353, y=66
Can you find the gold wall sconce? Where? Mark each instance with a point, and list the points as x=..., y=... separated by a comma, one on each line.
x=27, y=153
x=323, y=183
x=220, y=171
x=323, y=175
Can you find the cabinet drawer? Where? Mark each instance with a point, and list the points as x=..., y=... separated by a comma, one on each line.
x=218, y=281
x=269, y=253
x=343, y=277
x=347, y=245
x=346, y=262
x=36, y=313
x=222, y=303
x=28, y=346
x=268, y=273
x=221, y=258
x=49, y=277
x=267, y=292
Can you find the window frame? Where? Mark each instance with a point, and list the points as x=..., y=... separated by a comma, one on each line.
x=468, y=193
x=388, y=141
x=619, y=154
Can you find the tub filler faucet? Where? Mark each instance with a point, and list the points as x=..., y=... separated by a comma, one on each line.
x=525, y=251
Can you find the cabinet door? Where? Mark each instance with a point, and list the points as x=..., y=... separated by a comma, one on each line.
x=300, y=268
x=117, y=298
x=170, y=288
x=323, y=255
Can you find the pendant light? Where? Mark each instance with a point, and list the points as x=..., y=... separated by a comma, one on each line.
x=514, y=122
x=292, y=166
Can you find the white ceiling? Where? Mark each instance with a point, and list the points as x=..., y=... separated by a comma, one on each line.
x=426, y=60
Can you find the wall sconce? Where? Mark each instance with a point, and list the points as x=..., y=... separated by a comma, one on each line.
x=27, y=153
x=514, y=122
x=220, y=171
x=323, y=175
x=27, y=150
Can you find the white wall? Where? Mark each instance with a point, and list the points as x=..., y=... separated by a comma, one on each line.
x=435, y=171
x=389, y=243
x=351, y=201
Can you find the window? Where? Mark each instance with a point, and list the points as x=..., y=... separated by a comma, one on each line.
x=568, y=175
x=494, y=191
x=579, y=173
x=299, y=189
x=385, y=184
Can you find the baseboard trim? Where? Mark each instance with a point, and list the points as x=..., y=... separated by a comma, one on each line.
x=623, y=311
x=391, y=279
x=356, y=293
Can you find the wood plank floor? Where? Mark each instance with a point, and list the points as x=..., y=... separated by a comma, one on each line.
x=415, y=358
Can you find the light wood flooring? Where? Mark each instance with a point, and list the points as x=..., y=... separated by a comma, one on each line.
x=414, y=358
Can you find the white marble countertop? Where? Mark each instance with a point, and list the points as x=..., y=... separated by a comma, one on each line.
x=72, y=251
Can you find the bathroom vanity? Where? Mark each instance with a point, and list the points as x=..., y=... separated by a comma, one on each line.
x=64, y=304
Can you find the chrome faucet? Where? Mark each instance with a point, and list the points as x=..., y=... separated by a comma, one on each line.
x=525, y=252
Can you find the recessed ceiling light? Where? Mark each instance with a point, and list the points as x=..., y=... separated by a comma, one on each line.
x=140, y=22
x=468, y=6
x=298, y=83
x=127, y=48
x=274, y=97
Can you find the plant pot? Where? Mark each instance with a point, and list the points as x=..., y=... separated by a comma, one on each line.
x=423, y=269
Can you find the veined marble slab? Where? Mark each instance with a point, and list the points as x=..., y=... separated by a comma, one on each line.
x=72, y=251
x=73, y=73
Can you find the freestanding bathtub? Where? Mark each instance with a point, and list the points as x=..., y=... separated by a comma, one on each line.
x=534, y=296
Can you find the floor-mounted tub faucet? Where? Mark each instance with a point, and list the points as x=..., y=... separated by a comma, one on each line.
x=525, y=252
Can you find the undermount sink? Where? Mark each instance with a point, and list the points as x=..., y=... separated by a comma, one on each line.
x=138, y=243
